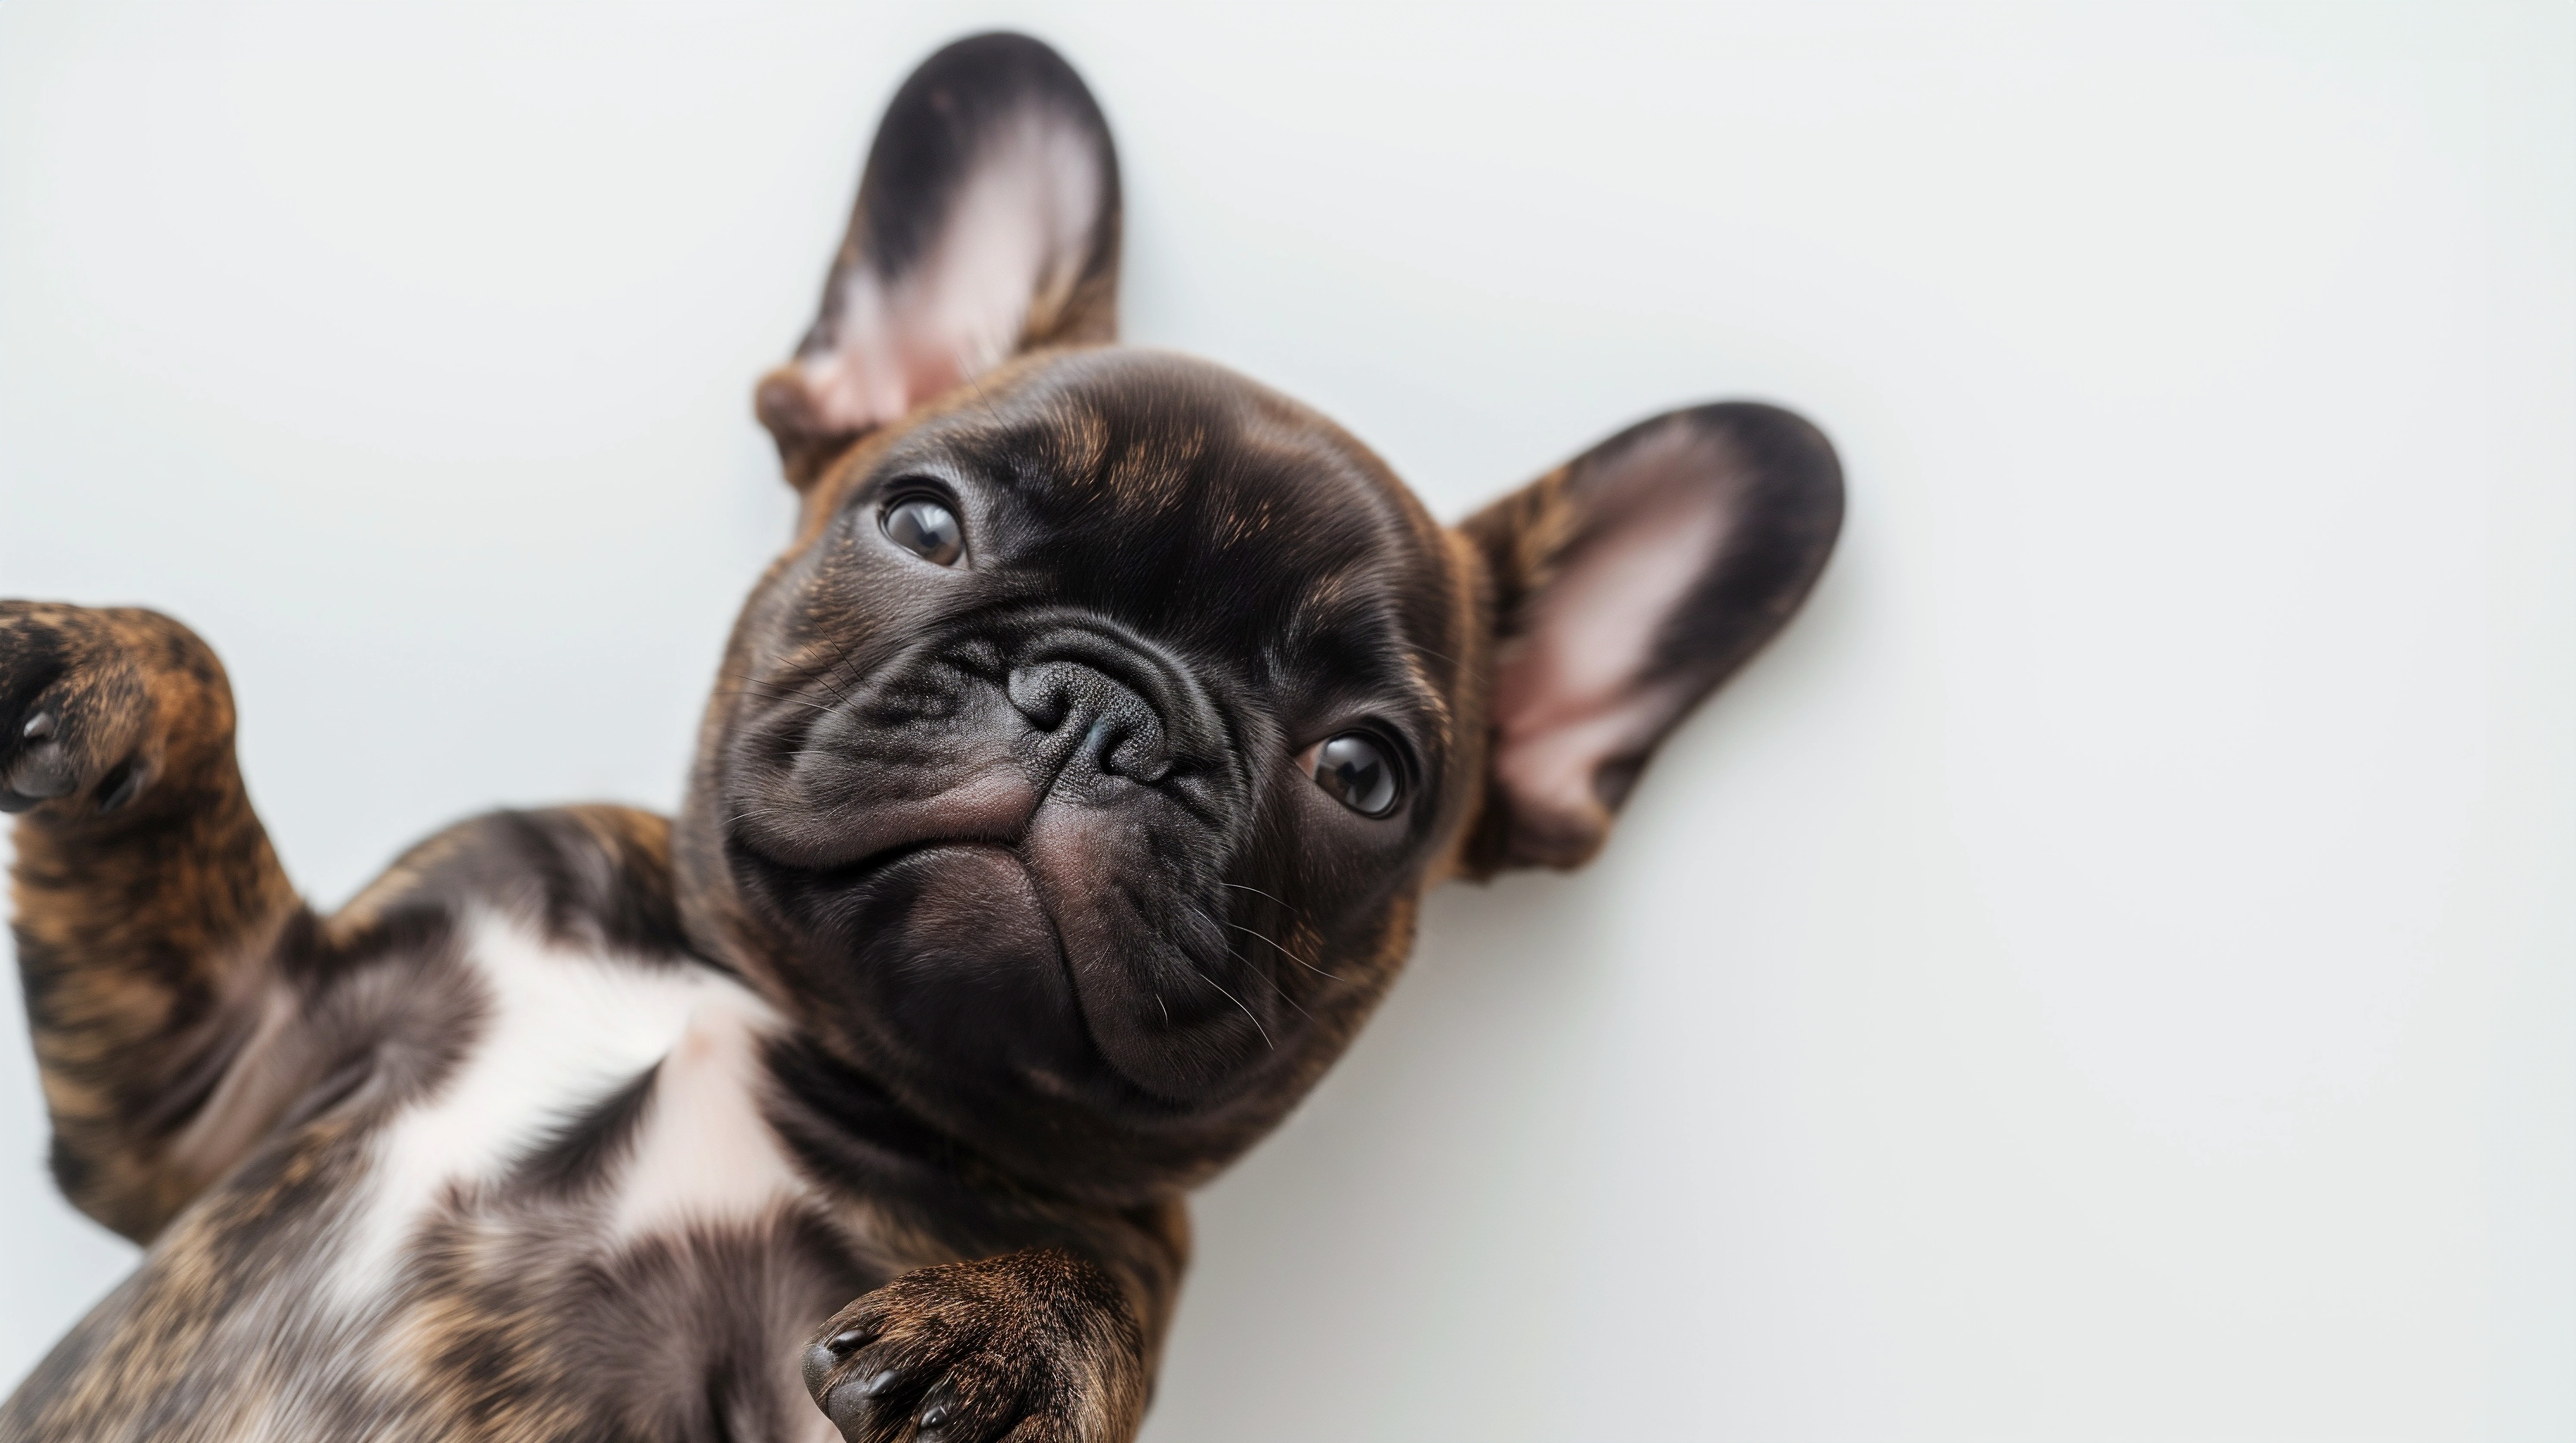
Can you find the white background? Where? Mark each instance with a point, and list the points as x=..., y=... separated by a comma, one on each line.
x=2108, y=972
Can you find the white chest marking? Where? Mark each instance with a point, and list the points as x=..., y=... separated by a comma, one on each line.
x=704, y=1153
x=562, y=1030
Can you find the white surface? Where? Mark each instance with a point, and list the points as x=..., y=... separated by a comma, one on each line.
x=2109, y=972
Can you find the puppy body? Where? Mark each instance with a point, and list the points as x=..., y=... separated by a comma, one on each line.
x=582, y=1183
x=1061, y=812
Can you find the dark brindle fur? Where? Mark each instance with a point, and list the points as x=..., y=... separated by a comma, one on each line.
x=1005, y=906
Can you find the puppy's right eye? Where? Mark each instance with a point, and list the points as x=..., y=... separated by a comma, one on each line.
x=926, y=529
x=1358, y=773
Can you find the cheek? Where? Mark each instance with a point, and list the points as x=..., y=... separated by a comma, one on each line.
x=1349, y=978
x=1336, y=874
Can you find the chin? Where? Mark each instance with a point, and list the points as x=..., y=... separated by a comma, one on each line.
x=943, y=953
x=941, y=970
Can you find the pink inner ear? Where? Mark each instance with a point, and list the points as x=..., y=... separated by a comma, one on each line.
x=1013, y=242
x=1574, y=696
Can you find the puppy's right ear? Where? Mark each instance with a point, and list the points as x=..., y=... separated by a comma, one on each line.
x=987, y=224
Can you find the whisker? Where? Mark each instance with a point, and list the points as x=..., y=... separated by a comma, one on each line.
x=1274, y=984
x=820, y=671
x=791, y=699
x=771, y=691
x=748, y=813
x=1256, y=891
x=1237, y=1001
x=975, y=383
x=1291, y=956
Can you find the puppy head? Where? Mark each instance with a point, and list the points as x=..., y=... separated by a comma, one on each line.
x=1078, y=769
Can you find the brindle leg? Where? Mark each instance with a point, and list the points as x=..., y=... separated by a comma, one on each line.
x=146, y=893
x=1037, y=1346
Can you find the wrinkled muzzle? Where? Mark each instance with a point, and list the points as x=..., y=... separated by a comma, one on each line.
x=1014, y=837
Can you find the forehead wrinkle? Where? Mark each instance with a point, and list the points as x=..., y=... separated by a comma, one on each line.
x=1353, y=603
x=1368, y=603
x=1299, y=441
x=1313, y=495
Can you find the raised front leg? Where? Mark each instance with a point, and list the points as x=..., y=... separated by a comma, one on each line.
x=147, y=898
x=1037, y=1346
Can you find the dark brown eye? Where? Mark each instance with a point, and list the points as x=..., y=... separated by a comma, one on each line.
x=1358, y=773
x=926, y=529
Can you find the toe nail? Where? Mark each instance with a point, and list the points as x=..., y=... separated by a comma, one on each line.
x=847, y=1342
x=43, y=771
x=38, y=726
x=122, y=790
x=878, y=1384
x=818, y=1364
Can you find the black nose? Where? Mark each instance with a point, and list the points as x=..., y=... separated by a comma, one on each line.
x=1089, y=722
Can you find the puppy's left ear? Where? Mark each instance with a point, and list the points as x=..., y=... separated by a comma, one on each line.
x=1629, y=584
x=987, y=223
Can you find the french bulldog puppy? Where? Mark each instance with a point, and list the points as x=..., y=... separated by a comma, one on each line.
x=1065, y=804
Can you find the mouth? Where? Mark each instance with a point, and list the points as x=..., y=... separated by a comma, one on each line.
x=860, y=873
x=1026, y=959
x=992, y=876
x=1013, y=865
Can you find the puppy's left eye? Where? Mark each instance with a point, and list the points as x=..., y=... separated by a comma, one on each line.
x=926, y=529
x=1359, y=774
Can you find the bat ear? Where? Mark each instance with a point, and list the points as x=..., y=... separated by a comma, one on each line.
x=986, y=224
x=1629, y=583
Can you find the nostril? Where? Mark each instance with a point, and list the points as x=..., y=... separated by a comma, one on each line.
x=1040, y=696
x=1126, y=742
x=1093, y=717
x=1102, y=739
x=1137, y=759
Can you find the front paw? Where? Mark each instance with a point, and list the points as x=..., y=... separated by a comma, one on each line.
x=75, y=708
x=1030, y=1347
